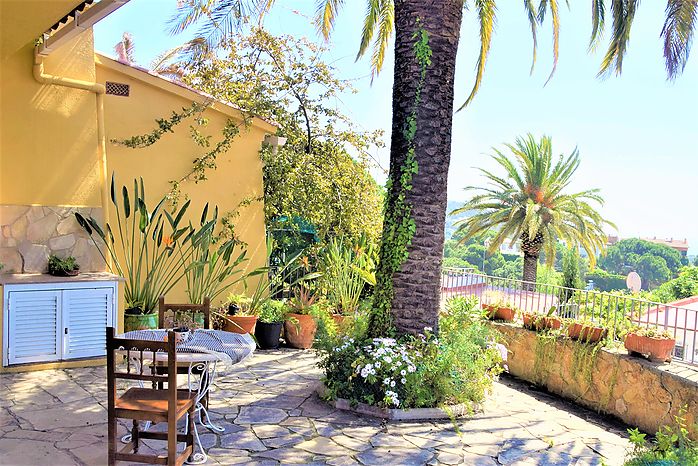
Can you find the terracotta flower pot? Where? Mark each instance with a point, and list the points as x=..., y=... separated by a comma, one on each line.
x=656, y=349
x=536, y=322
x=552, y=323
x=529, y=320
x=140, y=322
x=299, y=330
x=586, y=333
x=240, y=324
x=500, y=313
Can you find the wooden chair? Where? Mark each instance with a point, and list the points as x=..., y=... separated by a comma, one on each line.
x=170, y=315
x=147, y=404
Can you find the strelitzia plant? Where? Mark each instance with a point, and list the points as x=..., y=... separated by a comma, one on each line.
x=141, y=246
x=213, y=267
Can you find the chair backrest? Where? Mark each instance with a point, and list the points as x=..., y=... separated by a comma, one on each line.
x=139, y=365
x=183, y=315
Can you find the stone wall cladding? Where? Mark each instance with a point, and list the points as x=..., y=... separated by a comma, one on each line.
x=640, y=393
x=31, y=233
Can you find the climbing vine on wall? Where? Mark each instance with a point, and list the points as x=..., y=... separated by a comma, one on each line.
x=201, y=164
x=399, y=226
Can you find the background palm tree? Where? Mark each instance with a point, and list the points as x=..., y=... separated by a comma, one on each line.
x=415, y=292
x=529, y=204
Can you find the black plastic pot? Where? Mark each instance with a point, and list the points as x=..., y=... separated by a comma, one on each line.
x=268, y=334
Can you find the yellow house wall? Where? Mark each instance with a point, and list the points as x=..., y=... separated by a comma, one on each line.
x=48, y=134
x=238, y=174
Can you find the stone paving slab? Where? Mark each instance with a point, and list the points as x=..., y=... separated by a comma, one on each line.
x=271, y=416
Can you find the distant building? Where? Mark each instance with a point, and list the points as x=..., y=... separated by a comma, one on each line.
x=680, y=245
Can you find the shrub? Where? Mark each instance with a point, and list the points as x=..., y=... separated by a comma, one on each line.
x=671, y=447
x=604, y=281
x=419, y=371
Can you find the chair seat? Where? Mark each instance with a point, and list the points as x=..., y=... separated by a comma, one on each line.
x=151, y=404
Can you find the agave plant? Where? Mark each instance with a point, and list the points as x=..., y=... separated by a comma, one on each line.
x=143, y=248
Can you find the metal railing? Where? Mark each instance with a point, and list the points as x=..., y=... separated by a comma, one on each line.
x=615, y=311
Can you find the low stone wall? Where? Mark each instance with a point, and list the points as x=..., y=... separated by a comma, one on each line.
x=29, y=234
x=640, y=393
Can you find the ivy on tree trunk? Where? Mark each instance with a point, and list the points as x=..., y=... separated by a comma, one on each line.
x=408, y=288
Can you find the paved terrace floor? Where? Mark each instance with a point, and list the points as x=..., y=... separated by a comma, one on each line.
x=272, y=416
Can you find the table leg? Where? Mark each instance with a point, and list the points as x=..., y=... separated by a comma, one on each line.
x=206, y=379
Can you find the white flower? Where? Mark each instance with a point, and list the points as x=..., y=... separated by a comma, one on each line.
x=403, y=372
x=388, y=359
x=403, y=380
x=392, y=383
x=386, y=381
x=378, y=364
x=428, y=329
x=411, y=369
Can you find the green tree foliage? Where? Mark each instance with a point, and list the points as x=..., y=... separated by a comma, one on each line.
x=625, y=255
x=571, y=274
x=529, y=203
x=321, y=173
x=683, y=286
x=604, y=281
x=653, y=270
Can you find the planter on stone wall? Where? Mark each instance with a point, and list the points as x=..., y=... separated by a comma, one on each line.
x=656, y=348
x=495, y=312
x=586, y=333
x=538, y=322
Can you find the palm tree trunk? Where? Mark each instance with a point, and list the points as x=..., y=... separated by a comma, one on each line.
x=530, y=270
x=416, y=284
x=531, y=249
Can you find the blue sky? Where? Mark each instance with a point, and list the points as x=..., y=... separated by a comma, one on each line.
x=637, y=134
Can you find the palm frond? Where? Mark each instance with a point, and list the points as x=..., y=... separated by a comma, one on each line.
x=327, y=11
x=385, y=32
x=533, y=22
x=486, y=12
x=677, y=32
x=598, y=21
x=623, y=12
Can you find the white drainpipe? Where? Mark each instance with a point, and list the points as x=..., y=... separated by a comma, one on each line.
x=99, y=90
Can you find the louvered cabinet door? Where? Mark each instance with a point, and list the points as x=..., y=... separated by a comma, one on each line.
x=34, y=321
x=86, y=315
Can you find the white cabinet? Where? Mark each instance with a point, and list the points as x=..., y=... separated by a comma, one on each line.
x=56, y=321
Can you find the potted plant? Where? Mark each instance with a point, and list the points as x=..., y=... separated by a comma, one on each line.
x=67, y=267
x=586, y=331
x=300, y=325
x=150, y=249
x=270, y=324
x=542, y=322
x=239, y=317
x=497, y=308
x=655, y=344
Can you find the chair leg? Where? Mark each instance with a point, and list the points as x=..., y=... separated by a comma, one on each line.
x=135, y=436
x=171, y=441
x=111, y=427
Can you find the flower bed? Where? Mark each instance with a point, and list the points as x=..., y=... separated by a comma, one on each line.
x=415, y=372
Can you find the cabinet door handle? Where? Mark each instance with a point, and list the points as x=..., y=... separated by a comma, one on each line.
x=65, y=330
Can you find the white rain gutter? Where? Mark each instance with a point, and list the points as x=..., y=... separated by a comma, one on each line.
x=80, y=23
